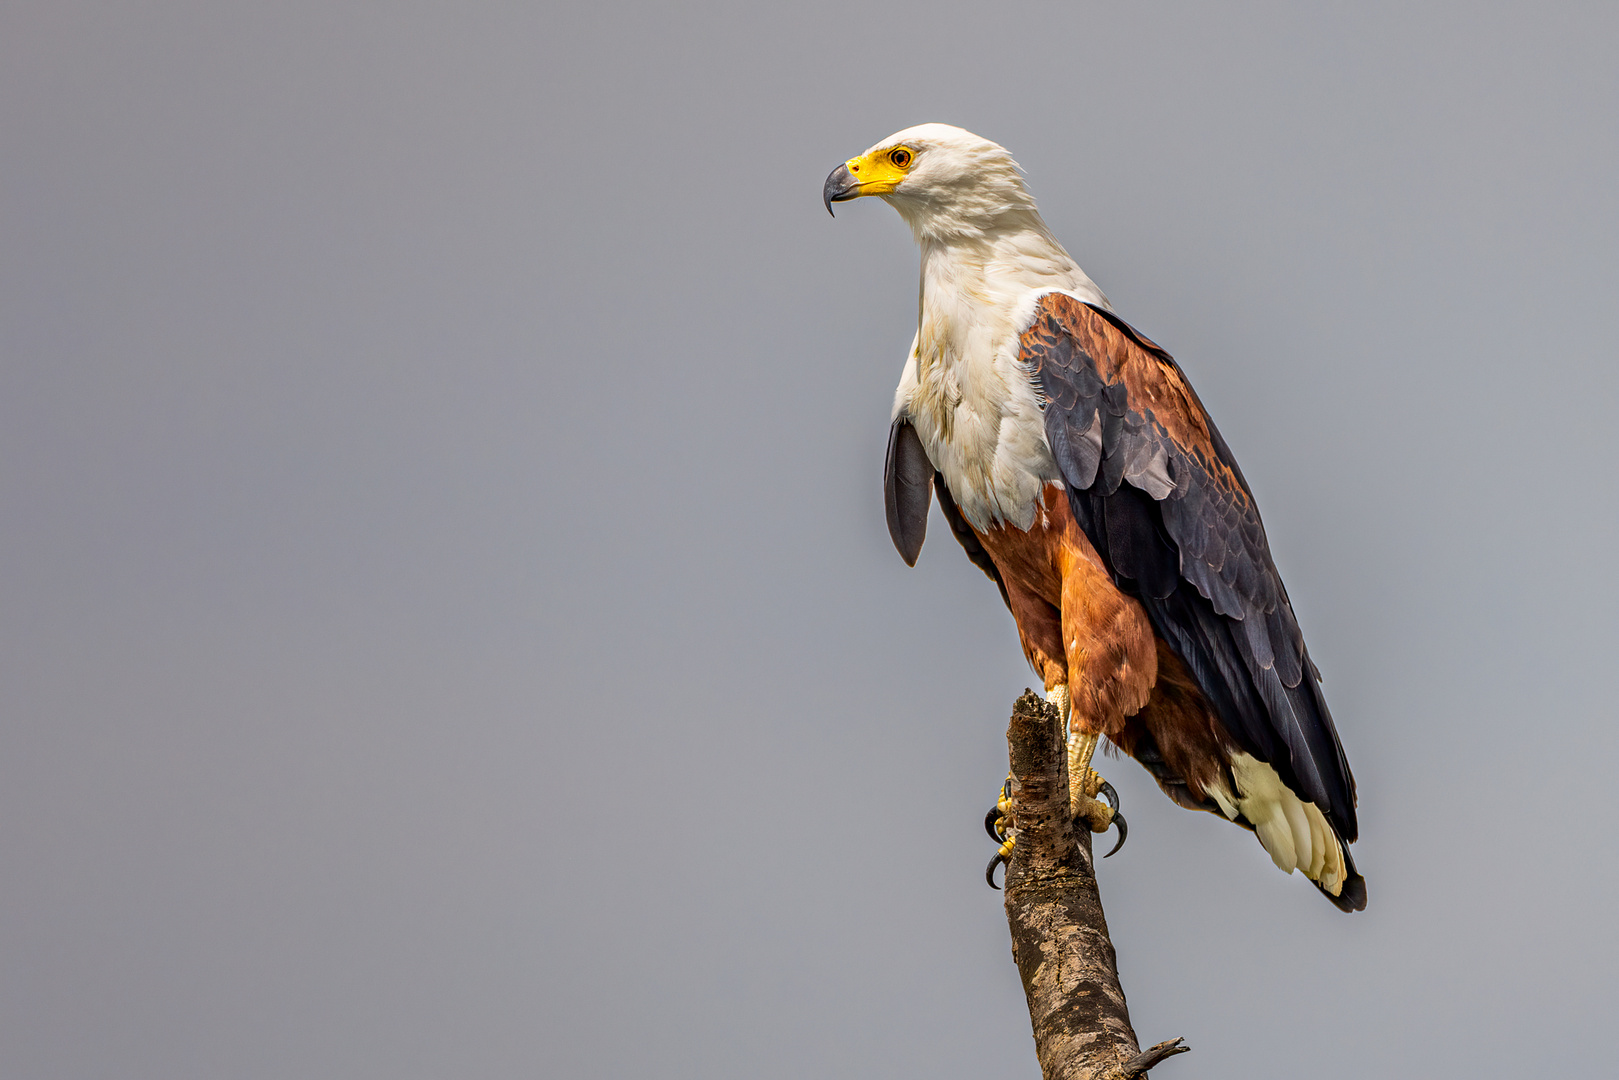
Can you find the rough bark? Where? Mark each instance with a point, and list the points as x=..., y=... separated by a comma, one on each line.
x=1059, y=935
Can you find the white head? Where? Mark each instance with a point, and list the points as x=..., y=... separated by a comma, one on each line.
x=947, y=183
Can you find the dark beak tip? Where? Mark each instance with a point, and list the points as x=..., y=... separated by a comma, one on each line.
x=837, y=187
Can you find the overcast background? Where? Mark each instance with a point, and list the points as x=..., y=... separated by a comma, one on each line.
x=447, y=624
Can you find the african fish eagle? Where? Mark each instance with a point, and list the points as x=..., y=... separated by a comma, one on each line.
x=1078, y=469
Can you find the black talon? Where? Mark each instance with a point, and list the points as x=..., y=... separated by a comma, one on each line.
x=995, y=823
x=1124, y=831
x=1112, y=797
x=997, y=814
x=989, y=871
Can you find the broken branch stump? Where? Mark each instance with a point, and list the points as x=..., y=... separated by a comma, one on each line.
x=1060, y=940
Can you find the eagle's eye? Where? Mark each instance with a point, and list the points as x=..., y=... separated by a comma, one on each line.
x=901, y=157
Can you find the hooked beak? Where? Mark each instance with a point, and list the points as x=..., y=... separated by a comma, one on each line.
x=841, y=186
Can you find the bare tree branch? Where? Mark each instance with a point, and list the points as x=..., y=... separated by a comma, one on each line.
x=1059, y=935
x=1153, y=1055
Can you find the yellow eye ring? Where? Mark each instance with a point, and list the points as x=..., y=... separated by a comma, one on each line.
x=901, y=157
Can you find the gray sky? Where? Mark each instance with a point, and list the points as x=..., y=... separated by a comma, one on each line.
x=448, y=627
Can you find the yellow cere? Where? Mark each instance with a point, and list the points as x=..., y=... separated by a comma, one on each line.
x=880, y=171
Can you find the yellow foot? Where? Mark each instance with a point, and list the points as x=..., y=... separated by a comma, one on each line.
x=999, y=826
x=1084, y=784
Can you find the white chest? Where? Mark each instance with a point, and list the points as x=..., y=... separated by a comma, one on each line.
x=967, y=394
x=978, y=414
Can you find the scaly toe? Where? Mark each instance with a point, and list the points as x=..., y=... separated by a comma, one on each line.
x=1096, y=816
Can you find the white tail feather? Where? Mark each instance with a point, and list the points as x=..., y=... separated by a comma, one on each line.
x=1292, y=831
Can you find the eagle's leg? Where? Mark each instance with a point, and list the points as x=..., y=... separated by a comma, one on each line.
x=1111, y=666
x=1085, y=783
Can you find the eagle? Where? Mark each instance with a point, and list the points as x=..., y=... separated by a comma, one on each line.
x=1078, y=469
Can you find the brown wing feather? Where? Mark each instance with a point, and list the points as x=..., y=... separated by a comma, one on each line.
x=1160, y=496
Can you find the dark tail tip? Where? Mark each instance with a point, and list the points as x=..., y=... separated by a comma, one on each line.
x=1352, y=897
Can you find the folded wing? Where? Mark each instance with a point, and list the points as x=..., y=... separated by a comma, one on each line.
x=1157, y=491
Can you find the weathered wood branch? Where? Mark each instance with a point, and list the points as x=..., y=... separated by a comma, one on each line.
x=1059, y=935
